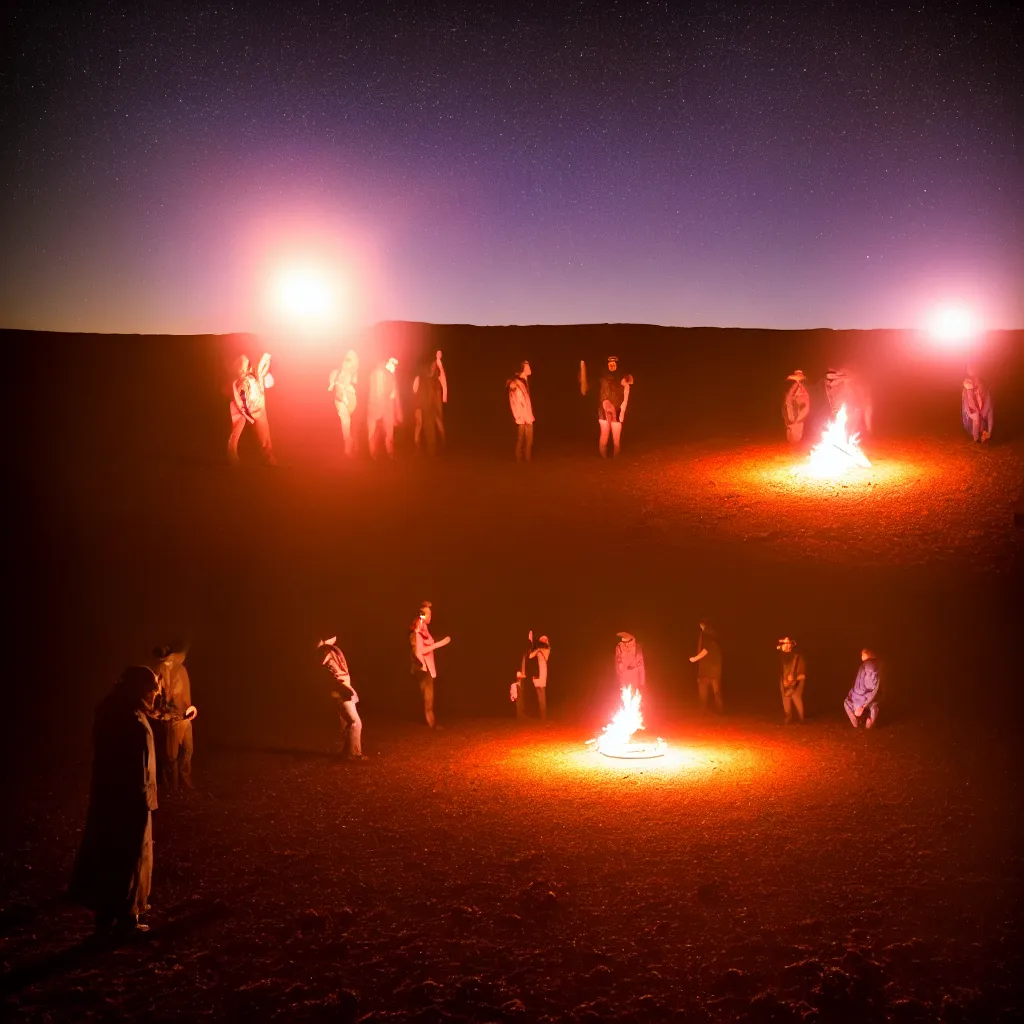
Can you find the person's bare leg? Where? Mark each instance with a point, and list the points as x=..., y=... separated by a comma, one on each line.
x=237, y=426
x=602, y=440
x=616, y=436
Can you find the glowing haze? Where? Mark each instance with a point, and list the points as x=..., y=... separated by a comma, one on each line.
x=312, y=167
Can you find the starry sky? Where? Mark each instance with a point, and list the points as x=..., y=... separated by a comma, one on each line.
x=751, y=164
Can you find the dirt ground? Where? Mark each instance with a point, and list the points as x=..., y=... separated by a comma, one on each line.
x=494, y=872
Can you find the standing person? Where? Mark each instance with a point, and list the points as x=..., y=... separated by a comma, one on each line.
x=114, y=867
x=612, y=399
x=793, y=675
x=430, y=391
x=249, y=405
x=541, y=652
x=976, y=408
x=343, y=386
x=423, y=668
x=843, y=387
x=629, y=663
x=175, y=708
x=796, y=407
x=709, y=668
x=384, y=409
x=864, y=695
x=345, y=698
x=518, y=388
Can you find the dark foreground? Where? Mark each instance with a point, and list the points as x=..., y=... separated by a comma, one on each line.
x=491, y=873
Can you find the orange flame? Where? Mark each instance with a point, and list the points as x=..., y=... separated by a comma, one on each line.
x=628, y=720
x=837, y=451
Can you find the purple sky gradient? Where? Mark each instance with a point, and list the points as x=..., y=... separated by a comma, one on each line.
x=746, y=164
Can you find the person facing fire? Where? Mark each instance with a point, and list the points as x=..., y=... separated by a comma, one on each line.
x=430, y=394
x=342, y=385
x=175, y=709
x=976, y=408
x=423, y=668
x=796, y=406
x=345, y=698
x=518, y=388
x=629, y=663
x=249, y=405
x=384, y=409
x=708, y=660
x=845, y=388
x=792, y=676
x=862, y=701
x=540, y=653
x=612, y=399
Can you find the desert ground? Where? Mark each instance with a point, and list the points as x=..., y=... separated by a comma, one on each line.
x=496, y=871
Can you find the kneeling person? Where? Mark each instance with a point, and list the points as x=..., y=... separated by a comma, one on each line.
x=862, y=701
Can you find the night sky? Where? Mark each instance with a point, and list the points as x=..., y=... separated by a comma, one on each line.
x=733, y=164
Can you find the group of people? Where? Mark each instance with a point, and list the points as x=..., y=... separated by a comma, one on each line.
x=113, y=869
x=844, y=389
x=248, y=405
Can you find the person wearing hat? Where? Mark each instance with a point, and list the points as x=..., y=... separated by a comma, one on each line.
x=423, y=669
x=709, y=668
x=175, y=709
x=384, y=408
x=793, y=675
x=249, y=405
x=976, y=408
x=113, y=869
x=343, y=386
x=541, y=653
x=844, y=388
x=345, y=698
x=518, y=388
x=629, y=663
x=862, y=701
x=796, y=406
x=612, y=399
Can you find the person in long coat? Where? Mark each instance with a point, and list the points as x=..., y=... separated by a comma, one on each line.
x=114, y=868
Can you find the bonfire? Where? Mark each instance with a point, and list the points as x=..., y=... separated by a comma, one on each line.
x=618, y=738
x=838, y=451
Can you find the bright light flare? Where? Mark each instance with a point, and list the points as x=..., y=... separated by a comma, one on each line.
x=616, y=739
x=837, y=452
x=304, y=296
x=953, y=325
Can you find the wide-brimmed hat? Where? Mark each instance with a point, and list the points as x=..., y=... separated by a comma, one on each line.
x=797, y=375
x=625, y=636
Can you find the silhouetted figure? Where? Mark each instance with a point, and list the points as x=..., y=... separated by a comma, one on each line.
x=430, y=393
x=976, y=409
x=843, y=387
x=114, y=867
x=792, y=676
x=176, y=711
x=518, y=388
x=612, y=399
x=345, y=698
x=862, y=701
x=384, y=409
x=540, y=654
x=342, y=385
x=629, y=663
x=709, y=668
x=796, y=407
x=249, y=405
x=423, y=668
